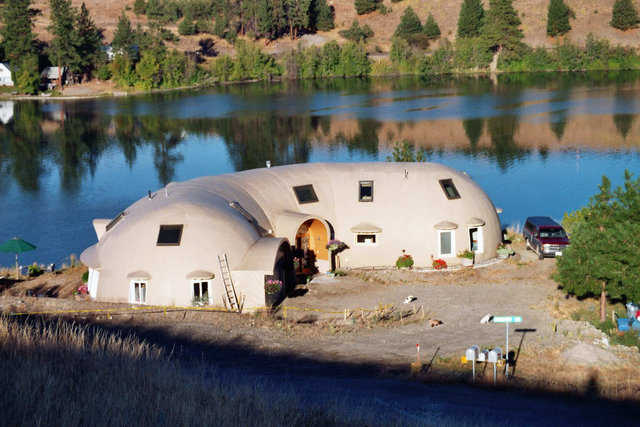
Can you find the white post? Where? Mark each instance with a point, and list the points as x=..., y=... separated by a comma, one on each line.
x=506, y=361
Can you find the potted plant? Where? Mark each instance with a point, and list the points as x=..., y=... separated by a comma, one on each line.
x=504, y=251
x=466, y=257
x=439, y=264
x=272, y=289
x=404, y=261
x=82, y=292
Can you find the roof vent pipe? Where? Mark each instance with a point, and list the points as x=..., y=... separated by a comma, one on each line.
x=166, y=192
x=406, y=174
x=149, y=194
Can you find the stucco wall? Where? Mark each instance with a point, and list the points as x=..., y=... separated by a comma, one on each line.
x=408, y=202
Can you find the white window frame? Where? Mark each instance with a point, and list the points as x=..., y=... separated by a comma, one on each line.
x=92, y=282
x=355, y=239
x=200, y=281
x=480, y=239
x=453, y=244
x=132, y=291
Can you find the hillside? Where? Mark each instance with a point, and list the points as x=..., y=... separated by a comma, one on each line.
x=592, y=16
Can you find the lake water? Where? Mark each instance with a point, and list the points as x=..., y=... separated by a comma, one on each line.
x=537, y=144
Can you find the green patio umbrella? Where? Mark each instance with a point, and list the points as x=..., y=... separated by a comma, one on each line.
x=16, y=246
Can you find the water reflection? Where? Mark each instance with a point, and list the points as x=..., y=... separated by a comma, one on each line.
x=284, y=122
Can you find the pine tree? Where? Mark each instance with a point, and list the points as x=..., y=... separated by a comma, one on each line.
x=124, y=38
x=322, y=16
x=63, y=49
x=409, y=25
x=298, y=16
x=558, y=18
x=602, y=258
x=17, y=35
x=470, y=19
x=139, y=7
x=89, y=41
x=265, y=26
x=625, y=16
x=154, y=10
x=366, y=6
x=502, y=25
x=431, y=28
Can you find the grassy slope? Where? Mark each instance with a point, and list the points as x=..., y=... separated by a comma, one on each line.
x=592, y=16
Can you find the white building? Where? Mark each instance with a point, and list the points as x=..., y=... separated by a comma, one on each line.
x=5, y=75
x=165, y=248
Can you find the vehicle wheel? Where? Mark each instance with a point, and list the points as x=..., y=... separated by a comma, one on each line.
x=540, y=253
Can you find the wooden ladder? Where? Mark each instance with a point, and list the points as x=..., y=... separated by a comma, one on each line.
x=228, y=282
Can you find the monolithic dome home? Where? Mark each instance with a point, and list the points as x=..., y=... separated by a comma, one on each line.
x=218, y=239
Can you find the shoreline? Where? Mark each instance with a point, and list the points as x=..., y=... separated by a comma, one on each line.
x=125, y=93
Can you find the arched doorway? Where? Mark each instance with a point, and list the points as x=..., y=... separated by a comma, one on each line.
x=311, y=247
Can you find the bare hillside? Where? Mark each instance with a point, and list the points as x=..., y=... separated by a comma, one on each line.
x=592, y=16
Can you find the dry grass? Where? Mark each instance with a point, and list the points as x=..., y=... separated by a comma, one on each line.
x=592, y=16
x=62, y=373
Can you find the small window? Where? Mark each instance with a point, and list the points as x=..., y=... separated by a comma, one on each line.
x=115, y=220
x=170, y=235
x=138, y=292
x=446, y=243
x=366, y=191
x=305, y=194
x=201, y=292
x=366, y=239
x=450, y=189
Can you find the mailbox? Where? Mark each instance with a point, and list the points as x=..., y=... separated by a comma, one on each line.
x=482, y=356
x=472, y=353
x=495, y=355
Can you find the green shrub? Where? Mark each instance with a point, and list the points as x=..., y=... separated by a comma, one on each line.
x=34, y=270
x=357, y=33
x=366, y=6
x=472, y=53
x=404, y=261
x=85, y=277
x=187, y=27
x=104, y=72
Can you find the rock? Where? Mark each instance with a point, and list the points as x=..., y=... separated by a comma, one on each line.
x=588, y=355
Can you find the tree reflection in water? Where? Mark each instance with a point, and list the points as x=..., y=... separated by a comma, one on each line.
x=72, y=137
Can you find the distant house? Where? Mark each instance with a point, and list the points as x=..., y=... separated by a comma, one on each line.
x=111, y=53
x=5, y=75
x=49, y=77
x=108, y=50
